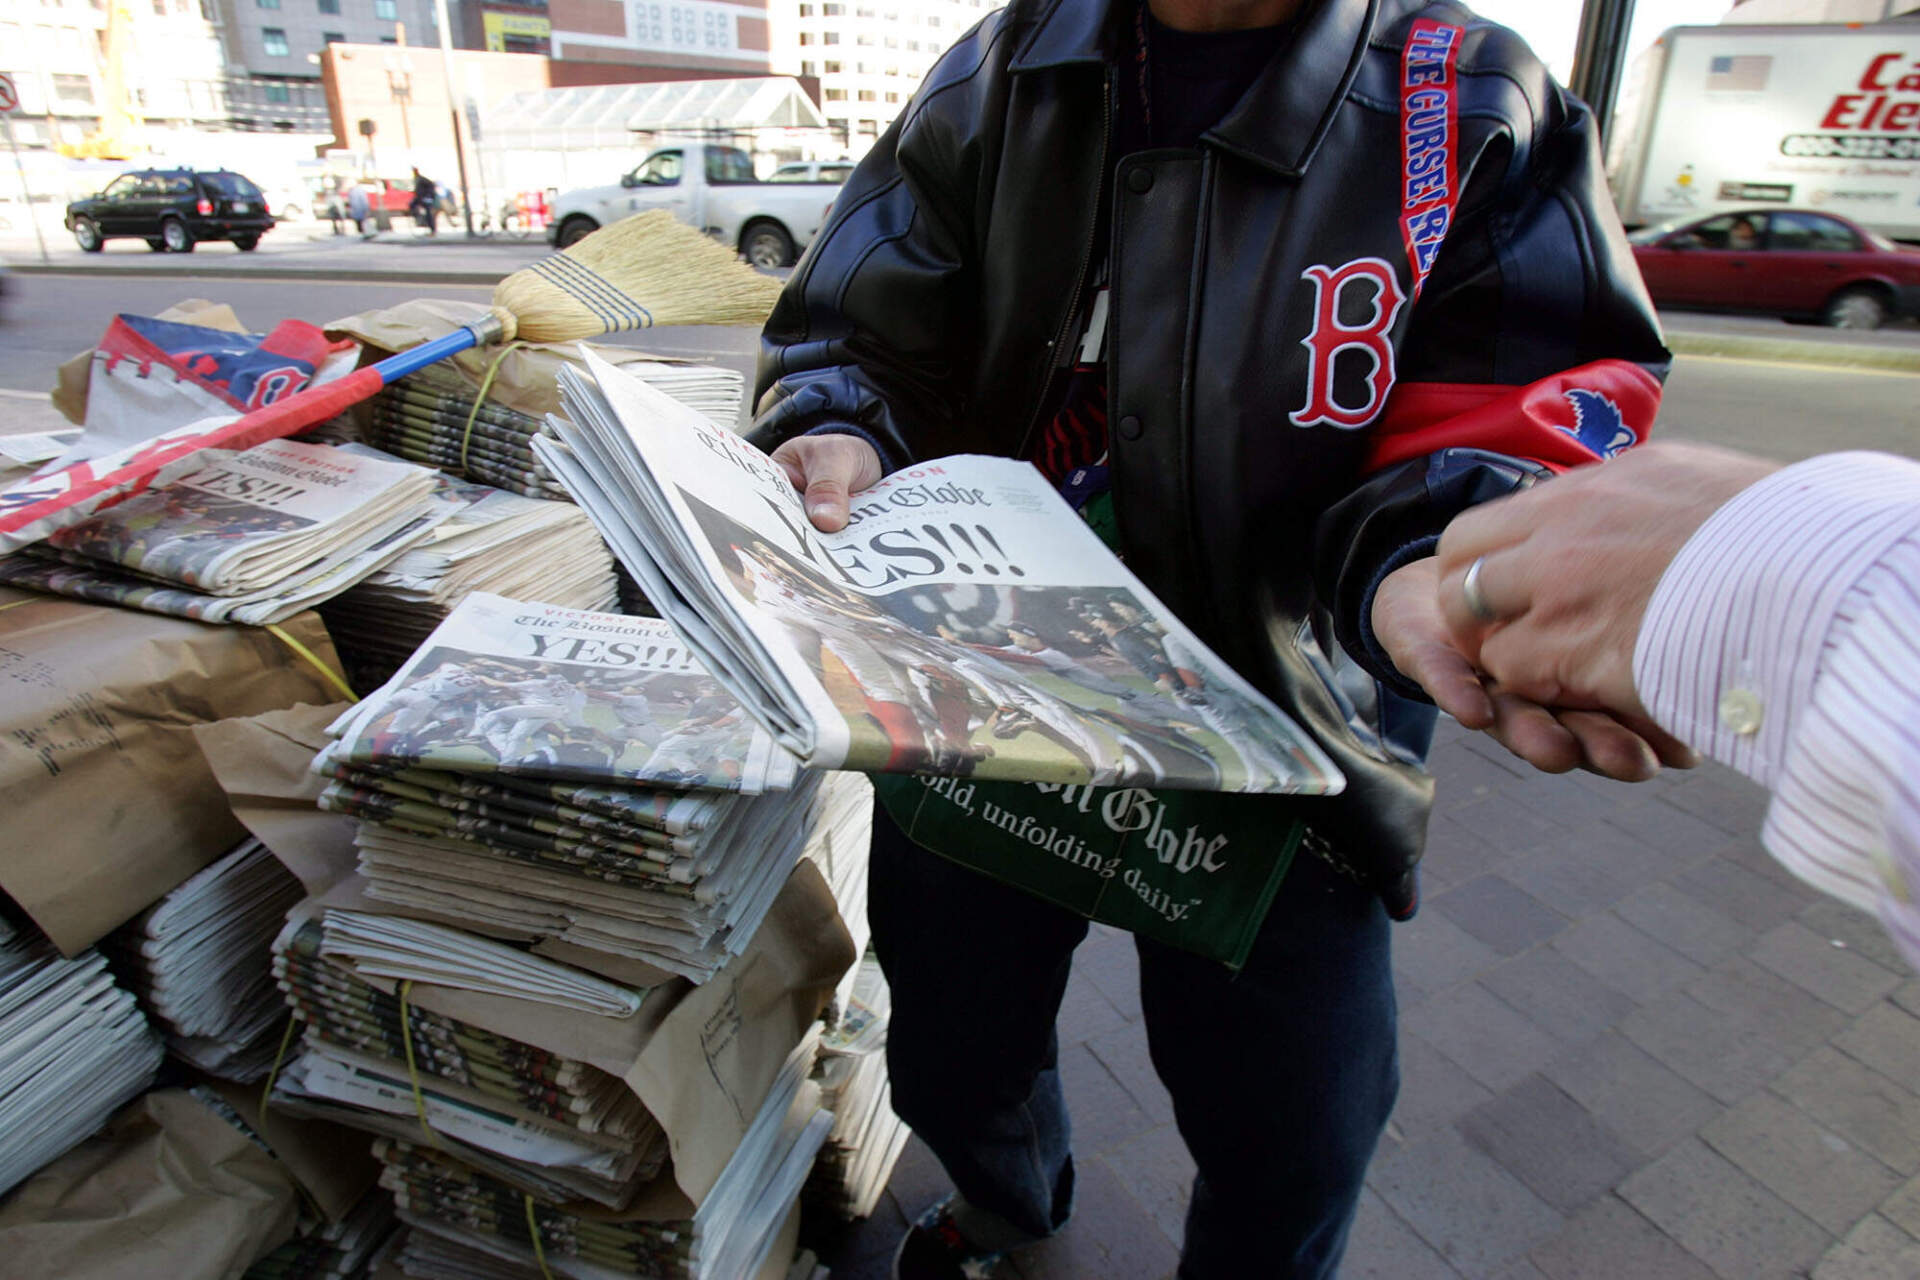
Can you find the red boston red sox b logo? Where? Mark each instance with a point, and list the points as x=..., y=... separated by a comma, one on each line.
x=1330, y=337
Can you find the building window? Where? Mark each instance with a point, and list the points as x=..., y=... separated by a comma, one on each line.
x=73, y=90
x=806, y=11
x=836, y=95
x=279, y=92
x=806, y=37
x=330, y=6
x=869, y=128
x=892, y=42
x=274, y=41
x=333, y=37
x=830, y=68
x=866, y=95
x=932, y=22
x=832, y=10
x=809, y=69
x=893, y=97
x=386, y=10
x=863, y=39
x=829, y=37
x=837, y=125
x=863, y=13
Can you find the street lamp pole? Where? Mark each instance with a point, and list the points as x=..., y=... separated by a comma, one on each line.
x=453, y=108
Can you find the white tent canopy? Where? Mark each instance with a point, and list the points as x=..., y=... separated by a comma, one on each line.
x=606, y=117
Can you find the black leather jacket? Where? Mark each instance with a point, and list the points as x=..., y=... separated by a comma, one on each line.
x=932, y=314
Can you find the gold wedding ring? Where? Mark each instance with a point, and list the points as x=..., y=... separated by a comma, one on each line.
x=1470, y=588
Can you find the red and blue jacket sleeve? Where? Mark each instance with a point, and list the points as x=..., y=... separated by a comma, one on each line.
x=1533, y=349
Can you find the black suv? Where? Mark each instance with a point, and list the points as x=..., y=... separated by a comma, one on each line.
x=172, y=210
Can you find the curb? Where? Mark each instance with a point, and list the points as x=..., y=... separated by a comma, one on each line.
x=350, y=275
x=1846, y=355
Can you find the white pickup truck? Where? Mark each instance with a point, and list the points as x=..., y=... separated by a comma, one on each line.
x=710, y=187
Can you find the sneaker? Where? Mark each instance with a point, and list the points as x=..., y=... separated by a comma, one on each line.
x=934, y=1249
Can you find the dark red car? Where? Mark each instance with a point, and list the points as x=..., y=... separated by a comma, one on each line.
x=1790, y=262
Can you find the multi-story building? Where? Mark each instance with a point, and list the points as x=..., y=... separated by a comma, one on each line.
x=614, y=41
x=274, y=47
x=56, y=53
x=870, y=55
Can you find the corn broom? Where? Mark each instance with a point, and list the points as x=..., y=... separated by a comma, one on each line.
x=641, y=272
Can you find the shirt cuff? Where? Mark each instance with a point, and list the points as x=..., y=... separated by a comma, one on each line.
x=1732, y=638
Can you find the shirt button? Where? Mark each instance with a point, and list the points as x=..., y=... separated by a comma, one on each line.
x=1130, y=428
x=1740, y=711
x=1140, y=181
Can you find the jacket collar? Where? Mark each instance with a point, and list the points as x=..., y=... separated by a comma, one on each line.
x=1280, y=122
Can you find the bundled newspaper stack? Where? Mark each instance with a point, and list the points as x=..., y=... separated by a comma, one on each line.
x=867, y=1137
x=199, y=961
x=494, y=541
x=73, y=1048
x=433, y=417
x=547, y=774
x=552, y=1126
x=467, y=1223
x=323, y=1250
x=250, y=537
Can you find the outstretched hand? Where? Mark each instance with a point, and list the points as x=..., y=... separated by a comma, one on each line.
x=829, y=469
x=1567, y=569
x=1408, y=622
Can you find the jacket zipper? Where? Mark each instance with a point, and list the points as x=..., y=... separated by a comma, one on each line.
x=1064, y=336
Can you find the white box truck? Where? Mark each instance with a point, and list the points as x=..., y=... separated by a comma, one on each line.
x=1738, y=116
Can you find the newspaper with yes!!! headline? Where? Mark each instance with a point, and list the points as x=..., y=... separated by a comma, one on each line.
x=966, y=623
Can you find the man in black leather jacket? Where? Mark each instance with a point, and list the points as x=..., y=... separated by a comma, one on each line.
x=1272, y=289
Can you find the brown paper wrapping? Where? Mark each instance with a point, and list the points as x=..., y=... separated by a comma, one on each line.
x=109, y=803
x=701, y=1059
x=168, y=1189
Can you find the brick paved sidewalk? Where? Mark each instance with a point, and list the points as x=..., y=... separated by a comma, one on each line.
x=1632, y=1048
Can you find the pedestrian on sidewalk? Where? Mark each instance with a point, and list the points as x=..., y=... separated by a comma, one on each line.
x=1271, y=289
x=358, y=209
x=426, y=200
x=336, y=200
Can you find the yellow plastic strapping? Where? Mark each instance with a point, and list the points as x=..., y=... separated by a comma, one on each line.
x=413, y=1072
x=15, y=604
x=480, y=398
x=533, y=1233
x=333, y=677
x=273, y=1072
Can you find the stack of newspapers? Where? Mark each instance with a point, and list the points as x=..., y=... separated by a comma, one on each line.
x=467, y=1223
x=540, y=773
x=553, y=1126
x=851, y=1070
x=199, y=961
x=250, y=537
x=73, y=1048
x=433, y=417
x=323, y=1250
x=494, y=541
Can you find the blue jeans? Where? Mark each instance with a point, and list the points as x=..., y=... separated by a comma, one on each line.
x=1282, y=1075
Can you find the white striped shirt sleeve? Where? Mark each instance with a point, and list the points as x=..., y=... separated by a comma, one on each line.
x=1784, y=641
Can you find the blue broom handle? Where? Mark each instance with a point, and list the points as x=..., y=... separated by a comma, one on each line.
x=464, y=338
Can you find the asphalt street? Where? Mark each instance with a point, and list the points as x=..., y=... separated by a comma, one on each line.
x=1781, y=410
